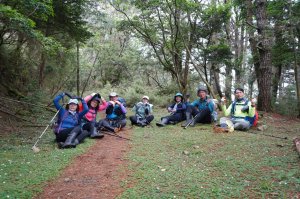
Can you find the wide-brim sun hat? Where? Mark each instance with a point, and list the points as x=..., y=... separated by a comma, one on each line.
x=73, y=101
x=145, y=97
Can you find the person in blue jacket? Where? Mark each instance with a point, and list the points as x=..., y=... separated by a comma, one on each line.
x=176, y=110
x=115, y=118
x=200, y=110
x=68, y=131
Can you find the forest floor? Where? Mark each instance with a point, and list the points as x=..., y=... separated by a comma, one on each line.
x=94, y=174
x=235, y=165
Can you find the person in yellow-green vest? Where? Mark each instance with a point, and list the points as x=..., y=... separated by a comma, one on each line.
x=241, y=111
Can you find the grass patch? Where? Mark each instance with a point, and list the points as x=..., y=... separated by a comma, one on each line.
x=23, y=173
x=172, y=162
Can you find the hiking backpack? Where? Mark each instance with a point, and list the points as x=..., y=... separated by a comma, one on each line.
x=253, y=120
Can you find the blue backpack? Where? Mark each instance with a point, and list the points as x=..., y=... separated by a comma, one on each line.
x=122, y=100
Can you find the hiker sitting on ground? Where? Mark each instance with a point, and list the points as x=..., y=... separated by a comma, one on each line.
x=200, y=110
x=176, y=111
x=68, y=131
x=89, y=120
x=115, y=115
x=143, y=113
x=240, y=110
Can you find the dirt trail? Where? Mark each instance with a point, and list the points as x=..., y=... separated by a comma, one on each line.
x=94, y=174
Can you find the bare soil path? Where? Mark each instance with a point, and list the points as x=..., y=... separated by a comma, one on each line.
x=95, y=174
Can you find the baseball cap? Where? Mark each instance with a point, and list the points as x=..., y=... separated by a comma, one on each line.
x=73, y=101
x=113, y=94
x=145, y=97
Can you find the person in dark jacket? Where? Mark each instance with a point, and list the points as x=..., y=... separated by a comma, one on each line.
x=68, y=131
x=176, y=110
x=115, y=115
x=200, y=110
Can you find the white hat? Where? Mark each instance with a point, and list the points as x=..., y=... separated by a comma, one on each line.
x=113, y=94
x=145, y=97
x=73, y=101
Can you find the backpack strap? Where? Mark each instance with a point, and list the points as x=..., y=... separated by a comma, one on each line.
x=234, y=104
x=65, y=115
x=94, y=113
x=60, y=120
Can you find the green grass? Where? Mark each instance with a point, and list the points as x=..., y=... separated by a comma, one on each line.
x=23, y=172
x=168, y=162
x=171, y=162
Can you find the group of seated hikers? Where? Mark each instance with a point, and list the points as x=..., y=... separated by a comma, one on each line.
x=77, y=121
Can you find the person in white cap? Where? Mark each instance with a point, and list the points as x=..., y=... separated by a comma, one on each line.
x=115, y=115
x=68, y=131
x=143, y=112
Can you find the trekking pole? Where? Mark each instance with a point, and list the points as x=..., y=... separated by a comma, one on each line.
x=284, y=138
x=115, y=135
x=192, y=120
x=36, y=149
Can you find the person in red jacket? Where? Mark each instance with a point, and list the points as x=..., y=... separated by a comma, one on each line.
x=95, y=104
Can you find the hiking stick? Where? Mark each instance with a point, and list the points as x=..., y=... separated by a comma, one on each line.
x=36, y=149
x=115, y=135
x=192, y=120
x=284, y=138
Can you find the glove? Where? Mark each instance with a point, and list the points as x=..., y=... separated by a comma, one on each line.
x=98, y=95
x=69, y=95
x=77, y=97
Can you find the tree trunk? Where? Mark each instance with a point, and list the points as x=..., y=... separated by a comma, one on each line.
x=264, y=73
x=278, y=64
x=78, y=70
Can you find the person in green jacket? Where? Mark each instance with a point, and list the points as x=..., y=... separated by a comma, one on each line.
x=240, y=110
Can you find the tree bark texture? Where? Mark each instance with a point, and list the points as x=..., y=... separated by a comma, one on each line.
x=264, y=73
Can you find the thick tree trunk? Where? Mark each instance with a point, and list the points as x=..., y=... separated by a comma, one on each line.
x=264, y=73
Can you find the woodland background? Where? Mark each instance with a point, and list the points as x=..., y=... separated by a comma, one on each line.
x=152, y=47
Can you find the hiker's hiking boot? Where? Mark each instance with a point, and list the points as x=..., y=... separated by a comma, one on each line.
x=189, y=120
x=69, y=143
x=60, y=144
x=162, y=123
x=96, y=134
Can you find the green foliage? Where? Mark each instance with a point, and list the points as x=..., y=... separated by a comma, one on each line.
x=13, y=20
x=218, y=53
x=287, y=104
